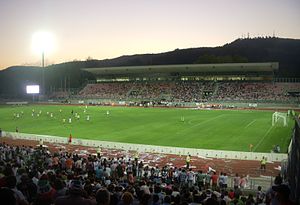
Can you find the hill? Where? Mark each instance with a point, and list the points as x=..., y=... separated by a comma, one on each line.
x=284, y=51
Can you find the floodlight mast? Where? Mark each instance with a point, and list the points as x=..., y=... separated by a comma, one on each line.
x=43, y=72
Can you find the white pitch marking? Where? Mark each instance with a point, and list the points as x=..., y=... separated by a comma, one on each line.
x=250, y=123
x=262, y=139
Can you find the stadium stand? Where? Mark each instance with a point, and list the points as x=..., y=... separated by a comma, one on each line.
x=194, y=91
x=190, y=83
x=59, y=95
x=37, y=176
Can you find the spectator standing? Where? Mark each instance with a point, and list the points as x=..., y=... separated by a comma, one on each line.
x=225, y=180
x=243, y=182
x=75, y=196
x=46, y=193
x=270, y=193
x=190, y=177
x=200, y=177
x=183, y=178
x=221, y=180
x=207, y=180
x=103, y=197
x=7, y=196
x=69, y=163
x=126, y=199
x=27, y=187
x=260, y=195
x=263, y=163
x=11, y=183
x=187, y=161
x=236, y=181
x=214, y=181
x=282, y=193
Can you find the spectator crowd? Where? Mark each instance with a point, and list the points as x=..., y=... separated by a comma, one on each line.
x=36, y=176
x=194, y=91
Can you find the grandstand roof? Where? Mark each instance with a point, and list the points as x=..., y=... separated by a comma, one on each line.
x=187, y=68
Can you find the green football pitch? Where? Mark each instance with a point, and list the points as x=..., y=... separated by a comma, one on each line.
x=190, y=128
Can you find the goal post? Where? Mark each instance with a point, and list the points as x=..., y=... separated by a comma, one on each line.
x=279, y=117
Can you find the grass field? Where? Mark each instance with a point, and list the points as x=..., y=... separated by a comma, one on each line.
x=208, y=129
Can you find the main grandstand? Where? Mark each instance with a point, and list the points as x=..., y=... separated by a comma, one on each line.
x=192, y=83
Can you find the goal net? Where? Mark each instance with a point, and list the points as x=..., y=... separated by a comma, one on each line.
x=279, y=118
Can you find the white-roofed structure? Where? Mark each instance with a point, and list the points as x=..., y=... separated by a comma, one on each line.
x=222, y=71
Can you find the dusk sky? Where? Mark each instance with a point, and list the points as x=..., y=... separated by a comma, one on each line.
x=110, y=28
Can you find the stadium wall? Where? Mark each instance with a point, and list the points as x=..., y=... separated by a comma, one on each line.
x=202, y=153
x=292, y=174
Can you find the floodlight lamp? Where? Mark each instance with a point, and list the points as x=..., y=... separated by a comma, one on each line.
x=42, y=42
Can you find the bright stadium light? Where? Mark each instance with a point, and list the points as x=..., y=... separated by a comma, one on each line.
x=43, y=42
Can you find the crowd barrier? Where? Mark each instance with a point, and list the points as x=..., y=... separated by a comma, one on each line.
x=17, y=103
x=204, y=153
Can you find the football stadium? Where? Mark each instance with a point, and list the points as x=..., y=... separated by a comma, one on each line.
x=188, y=106
x=219, y=114
x=116, y=103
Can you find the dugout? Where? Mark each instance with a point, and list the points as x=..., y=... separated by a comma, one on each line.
x=187, y=72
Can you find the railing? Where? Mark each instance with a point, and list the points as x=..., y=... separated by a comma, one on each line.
x=204, y=153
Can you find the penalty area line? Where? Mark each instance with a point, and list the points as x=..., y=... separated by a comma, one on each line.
x=250, y=123
x=200, y=123
x=262, y=139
